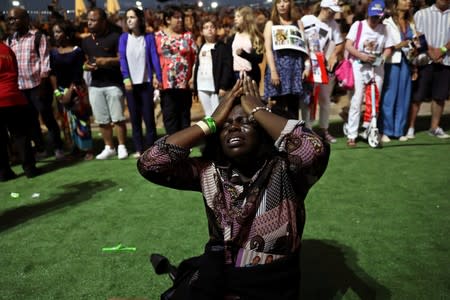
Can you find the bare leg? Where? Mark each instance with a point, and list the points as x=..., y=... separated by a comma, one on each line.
x=121, y=130
x=413, y=111
x=107, y=134
x=437, y=107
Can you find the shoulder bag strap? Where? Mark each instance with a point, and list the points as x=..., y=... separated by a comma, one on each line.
x=358, y=34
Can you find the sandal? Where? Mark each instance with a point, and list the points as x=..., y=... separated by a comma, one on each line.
x=351, y=143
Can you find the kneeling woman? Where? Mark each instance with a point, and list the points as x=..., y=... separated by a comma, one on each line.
x=255, y=172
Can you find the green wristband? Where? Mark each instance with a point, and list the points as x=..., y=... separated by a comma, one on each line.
x=57, y=93
x=127, y=81
x=211, y=124
x=443, y=49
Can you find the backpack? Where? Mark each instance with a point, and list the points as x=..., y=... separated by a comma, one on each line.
x=37, y=42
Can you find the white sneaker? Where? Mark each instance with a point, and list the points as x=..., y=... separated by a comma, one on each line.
x=122, y=152
x=439, y=133
x=365, y=133
x=403, y=138
x=410, y=134
x=385, y=139
x=137, y=154
x=106, y=153
x=59, y=154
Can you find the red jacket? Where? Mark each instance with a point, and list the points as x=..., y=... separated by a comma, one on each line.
x=10, y=95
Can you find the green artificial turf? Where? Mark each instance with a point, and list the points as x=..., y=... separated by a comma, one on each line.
x=377, y=227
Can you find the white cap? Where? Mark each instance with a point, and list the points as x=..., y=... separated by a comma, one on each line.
x=332, y=4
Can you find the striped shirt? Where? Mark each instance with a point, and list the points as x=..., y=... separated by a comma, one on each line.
x=435, y=24
x=31, y=66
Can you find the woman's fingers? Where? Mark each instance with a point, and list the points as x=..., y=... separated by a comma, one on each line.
x=250, y=87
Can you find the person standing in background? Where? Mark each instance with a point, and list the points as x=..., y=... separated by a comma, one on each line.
x=32, y=52
x=247, y=44
x=177, y=51
x=434, y=78
x=374, y=46
x=213, y=72
x=105, y=90
x=66, y=62
x=285, y=69
x=14, y=118
x=141, y=71
x=396, y=95
x=330, y=40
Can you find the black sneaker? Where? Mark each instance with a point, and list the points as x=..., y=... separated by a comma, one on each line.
x=7, y=175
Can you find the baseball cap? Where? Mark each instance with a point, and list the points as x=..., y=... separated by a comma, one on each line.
x=332, y=4
x=376, y=8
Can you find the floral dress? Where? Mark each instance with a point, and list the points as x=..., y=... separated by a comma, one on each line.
x=177, y=56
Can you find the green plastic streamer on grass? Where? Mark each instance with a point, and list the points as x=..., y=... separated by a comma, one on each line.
x=118, y=248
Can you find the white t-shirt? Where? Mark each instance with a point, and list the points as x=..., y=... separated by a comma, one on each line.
x=205, y=79
x=326, y=31
x=371, y=41
x=136, y=59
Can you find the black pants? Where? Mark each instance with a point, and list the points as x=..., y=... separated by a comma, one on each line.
x=140, y=106
x=286, y=106
x=15, y=121
x=43, y=106
x=176, y=108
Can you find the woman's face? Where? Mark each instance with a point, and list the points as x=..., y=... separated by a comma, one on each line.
x=238, y=19
x=283, y=7
x=176, y=22
x=374, y=20
x=58, y=34
x=209, y=31
x=404, y=5
x=239, y=137
x=132, y=20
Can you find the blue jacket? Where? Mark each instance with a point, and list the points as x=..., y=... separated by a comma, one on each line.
x=152, y=58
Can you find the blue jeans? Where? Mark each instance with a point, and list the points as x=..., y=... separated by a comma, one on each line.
x=395, y=99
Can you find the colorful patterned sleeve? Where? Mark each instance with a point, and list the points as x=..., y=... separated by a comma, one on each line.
x=307, y=153
x=170, y=165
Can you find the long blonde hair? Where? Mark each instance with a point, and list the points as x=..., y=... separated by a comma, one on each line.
x=249, y=26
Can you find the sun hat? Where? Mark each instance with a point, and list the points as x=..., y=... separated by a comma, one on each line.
x=331, y=4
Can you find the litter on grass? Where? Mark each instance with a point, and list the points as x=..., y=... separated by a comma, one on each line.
x=35, y=195
x=15, y=195
x=119, y=247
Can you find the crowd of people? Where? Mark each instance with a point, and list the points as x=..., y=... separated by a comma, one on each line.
x=98, y=66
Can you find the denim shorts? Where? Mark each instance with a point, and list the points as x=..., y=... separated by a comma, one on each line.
x=107, y=104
